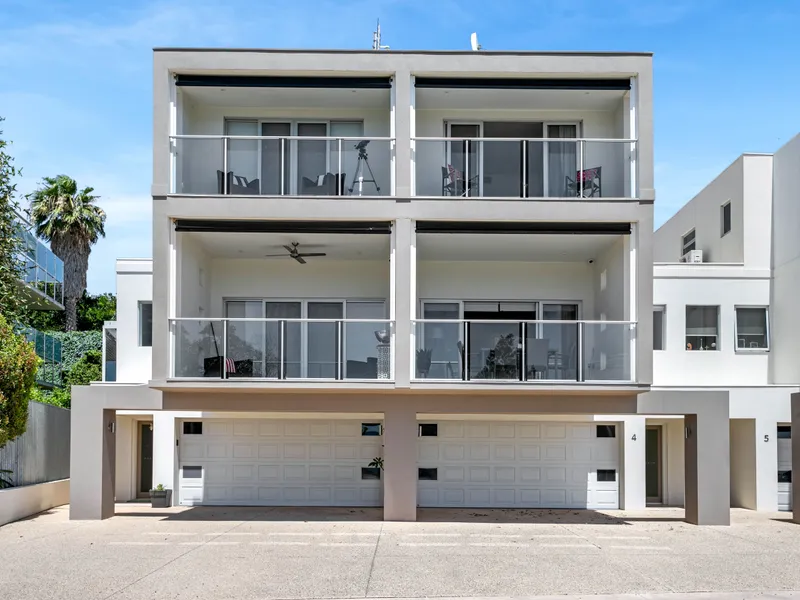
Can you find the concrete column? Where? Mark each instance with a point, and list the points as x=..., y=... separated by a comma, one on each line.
x=400, y=464
x=165, y=452
x=707, y=466
x=634, y=467
x=754, y=459
x=403, y=97
x=404, y=288
x=795, y=457
x=766, y=443
x=92, y=459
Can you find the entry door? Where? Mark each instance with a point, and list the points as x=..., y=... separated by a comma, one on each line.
x=653, y=480
x=145, y=460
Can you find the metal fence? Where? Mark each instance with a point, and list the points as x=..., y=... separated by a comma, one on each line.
x=40, y=454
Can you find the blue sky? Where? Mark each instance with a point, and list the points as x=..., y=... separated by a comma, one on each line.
x=76, y=86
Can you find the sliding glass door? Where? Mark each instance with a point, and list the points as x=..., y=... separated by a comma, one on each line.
x=275, y=163
x=562, y=161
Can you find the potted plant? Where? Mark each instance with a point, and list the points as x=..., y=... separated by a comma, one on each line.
x=424, y=361
x=160, y=497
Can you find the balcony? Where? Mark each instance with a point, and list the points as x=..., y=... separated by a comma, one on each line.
x=42, y=274
x=529, y=168
x=290, y=349
x=306, y=165
x=535, y=352
x=48, y=349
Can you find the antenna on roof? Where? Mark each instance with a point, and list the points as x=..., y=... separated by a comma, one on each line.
x=473, y=41
x=376, y=38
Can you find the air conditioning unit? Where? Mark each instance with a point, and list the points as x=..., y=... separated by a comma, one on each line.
x=693, y=256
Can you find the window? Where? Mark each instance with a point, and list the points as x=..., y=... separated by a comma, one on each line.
x=606, y=475
x=192, y=427
x=606, y=431
x=428, y=430
x=688, y=242
x=784, y=477
x=702, y=325
x=784, y=432
x=752, y=332
x=370, y=473
x=725, y=218
x=192, y=472
x=659, y=327
x=370, y=429
x=425, y=474
x=145, y=323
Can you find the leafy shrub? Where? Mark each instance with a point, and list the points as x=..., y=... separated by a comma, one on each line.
x=75, y=344
x=18, y=365
x=89, y=368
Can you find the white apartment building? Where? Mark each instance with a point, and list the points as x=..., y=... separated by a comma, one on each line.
x=440, y=259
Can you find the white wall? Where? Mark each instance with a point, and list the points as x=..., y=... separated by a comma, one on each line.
x=193, y=279
x=20, y=502
x=201, y=159
x=680, y=285
x=608, y=276
x=134, y=285
x=430, y=156
x=330, y=279
x=743, y=463
x=125, y=474
x=474, y=280
x=786, y=263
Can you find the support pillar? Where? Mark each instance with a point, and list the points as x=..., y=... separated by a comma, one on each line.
x=795, y=457
x=707, y=466
x=403, y=297
x=92, y=459
x=400, y=464
x=634, y=465
x=165, y=452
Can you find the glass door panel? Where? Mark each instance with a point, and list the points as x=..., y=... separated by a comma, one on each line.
x=440, y=351
x=246, y=343
x=562, y=162
x=349, y=160
x=292, y=342
x=562, y=340
x=243, y=158
x=323, y=341
x=312, y=161
x=365, y=356
x=274, y=157
x=463, y=167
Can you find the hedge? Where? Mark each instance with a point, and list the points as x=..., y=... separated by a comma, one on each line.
x=74, y=344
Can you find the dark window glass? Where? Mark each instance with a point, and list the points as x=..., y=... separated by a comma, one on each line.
x=689, y=242
x=784, y=477
x=726, y=218
x=426, y=474
x=658, y=328
x=146, y=324
x=370, y=429
x=606, y=431
x=193, y=427
x=370, y=473
x=428, y=430
x=192, y=472
x=606, y=475
x=784, y=432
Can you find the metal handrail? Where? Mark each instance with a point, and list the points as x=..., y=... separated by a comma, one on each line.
x=532, y=321
x=278, y=320
x=512, y=139
x=305, y=138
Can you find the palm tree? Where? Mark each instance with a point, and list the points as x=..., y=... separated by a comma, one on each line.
x=71, y=221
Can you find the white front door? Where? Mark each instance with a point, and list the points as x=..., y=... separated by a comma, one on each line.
x=279, y=462
x=784, y=467
x=519, y=464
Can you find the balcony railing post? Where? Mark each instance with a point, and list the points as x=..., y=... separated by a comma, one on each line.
x=524, y=359
x=281, y=349
x=581, y=149
x=466, y=351
x=225, y=349
x=466, y=168
x=524, y=169
x=580, y=373
x=339, y=178
x=225, y=166
x=339, y=353
x=283, y=166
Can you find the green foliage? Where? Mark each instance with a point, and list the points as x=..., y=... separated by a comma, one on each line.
x=57, y=397
x=159, y=488
x=18, y=365
x=74, y=344
x=377, y=463
x=5, y=480
x=89, y=368
x=12, y=299
x=70, y=220
x=93, y=311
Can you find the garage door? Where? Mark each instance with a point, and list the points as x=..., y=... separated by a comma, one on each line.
x=522, y=464
x=784, y=467
x=279, y=462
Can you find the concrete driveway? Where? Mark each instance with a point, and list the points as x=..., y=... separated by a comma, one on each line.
x=350, y=553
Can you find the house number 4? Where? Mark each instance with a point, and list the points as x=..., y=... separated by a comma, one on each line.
x=633, y=437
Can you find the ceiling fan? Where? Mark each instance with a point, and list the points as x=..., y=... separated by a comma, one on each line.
x=296, y=254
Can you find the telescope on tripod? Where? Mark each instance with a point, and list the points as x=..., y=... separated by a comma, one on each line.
x=358, y=176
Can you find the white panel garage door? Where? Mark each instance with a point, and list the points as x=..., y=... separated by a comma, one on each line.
x=784, y=467
x=277, y=463
x=519, y=464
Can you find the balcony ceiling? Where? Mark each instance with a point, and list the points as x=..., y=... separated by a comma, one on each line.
x=288, y=97
x=256, y=245
x=503, y=247
x=443, y=99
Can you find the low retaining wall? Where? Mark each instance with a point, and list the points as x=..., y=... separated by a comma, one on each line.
x=20, y=502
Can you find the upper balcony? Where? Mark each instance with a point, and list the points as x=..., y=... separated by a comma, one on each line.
x=42, y=273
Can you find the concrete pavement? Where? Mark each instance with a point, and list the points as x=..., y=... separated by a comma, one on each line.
x=350, y=553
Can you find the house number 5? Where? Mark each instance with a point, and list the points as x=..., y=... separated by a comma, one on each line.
x=766, y=438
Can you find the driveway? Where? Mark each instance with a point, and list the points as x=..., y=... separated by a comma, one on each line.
x=350, y=553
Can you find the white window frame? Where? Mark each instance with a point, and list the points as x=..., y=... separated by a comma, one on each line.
x=663, y=310
x=722, y=208
x=736, y=347
x=693, y=243
x=718, y=327
x=139, y=328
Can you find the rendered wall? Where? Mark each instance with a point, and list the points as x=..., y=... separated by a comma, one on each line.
x=18, y=503
x=134, y=286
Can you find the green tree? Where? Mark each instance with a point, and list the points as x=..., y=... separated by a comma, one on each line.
x=18, y=365
x=71, y=221
x=12, y=299
x=93, y=311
